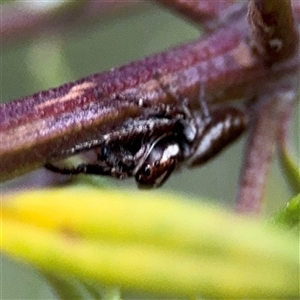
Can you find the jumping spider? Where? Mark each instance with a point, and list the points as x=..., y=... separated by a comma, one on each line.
x=152, y=147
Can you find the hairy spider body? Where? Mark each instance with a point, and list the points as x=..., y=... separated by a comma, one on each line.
x=151, y=148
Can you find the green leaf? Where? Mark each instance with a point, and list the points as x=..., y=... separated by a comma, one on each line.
x=289, y=216
x=147, y=242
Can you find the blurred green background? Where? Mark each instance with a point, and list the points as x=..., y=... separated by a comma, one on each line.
x=117, y=38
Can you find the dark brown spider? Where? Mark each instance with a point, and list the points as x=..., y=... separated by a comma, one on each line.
x=151, y=148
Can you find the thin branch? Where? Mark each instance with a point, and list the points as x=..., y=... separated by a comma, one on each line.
x=258, y=157
x=260, y=149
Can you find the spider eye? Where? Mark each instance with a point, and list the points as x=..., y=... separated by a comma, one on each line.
x=144, y=176
x=146, y=170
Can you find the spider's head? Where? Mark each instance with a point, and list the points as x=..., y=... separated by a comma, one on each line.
x=158, y=163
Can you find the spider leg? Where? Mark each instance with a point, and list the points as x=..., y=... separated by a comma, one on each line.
x=92, y=169
x=81, y=147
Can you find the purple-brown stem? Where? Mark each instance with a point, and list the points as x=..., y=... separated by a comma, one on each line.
x=259, y=152
x=271, y=23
